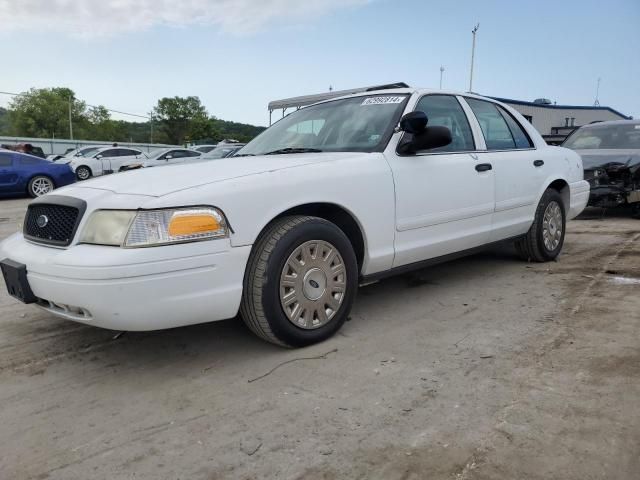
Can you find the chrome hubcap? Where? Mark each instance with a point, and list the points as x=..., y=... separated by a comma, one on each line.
x=41, y=186
x=313, y=284
x=83, y=173
x=552, y=226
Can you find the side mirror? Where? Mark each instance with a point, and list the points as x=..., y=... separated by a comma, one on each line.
x=168, y=157
x=414, y=122
x=99, y=156
x=431, y=137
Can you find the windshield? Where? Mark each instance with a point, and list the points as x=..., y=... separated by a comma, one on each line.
x=619, y=137
x=157, y=152
x=83, y=152
x=219, y=152
x=357, y=124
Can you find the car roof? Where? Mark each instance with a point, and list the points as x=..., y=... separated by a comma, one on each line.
x=611, y=123
x=411, y=91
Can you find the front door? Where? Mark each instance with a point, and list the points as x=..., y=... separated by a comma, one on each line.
x=444, y=197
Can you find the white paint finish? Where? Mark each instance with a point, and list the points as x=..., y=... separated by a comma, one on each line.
x=430, y=210
x=100, y=161
x=408, y=208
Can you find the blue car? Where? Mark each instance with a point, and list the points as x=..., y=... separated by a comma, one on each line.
x=21, y=173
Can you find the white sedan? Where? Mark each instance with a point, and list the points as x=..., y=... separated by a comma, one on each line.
x=339, y=193
x=162, y=157
x=103, y=161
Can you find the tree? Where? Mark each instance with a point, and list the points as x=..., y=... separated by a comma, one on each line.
x=44, y=113
x=182, y=119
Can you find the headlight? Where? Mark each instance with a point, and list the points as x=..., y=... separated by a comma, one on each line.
x=146, y=228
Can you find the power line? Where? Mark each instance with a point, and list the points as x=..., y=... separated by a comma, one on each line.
x=88, y=105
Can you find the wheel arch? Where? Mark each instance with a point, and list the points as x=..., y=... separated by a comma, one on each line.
x=340, y=216
x=39, y=174
x=562, y=187
x=86, y=166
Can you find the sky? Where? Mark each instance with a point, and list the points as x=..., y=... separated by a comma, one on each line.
x=237, y=55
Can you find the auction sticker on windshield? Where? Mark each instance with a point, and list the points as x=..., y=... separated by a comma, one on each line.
x=382, y=100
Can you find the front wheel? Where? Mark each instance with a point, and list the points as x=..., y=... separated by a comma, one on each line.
x=300, y=283
x=39, y=186
x=544, y=240
x=83, y=173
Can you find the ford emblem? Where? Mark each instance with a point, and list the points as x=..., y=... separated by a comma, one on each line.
x=42, y=221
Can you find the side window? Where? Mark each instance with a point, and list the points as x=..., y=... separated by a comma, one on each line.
x=125, y=152
x=179, y=154
x=110, y=153
x=496, y=133
x=192, y=154
x=520, y=137
x=5, y=159
x=445, y=110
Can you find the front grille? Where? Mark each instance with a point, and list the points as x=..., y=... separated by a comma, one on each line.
x=53, y=223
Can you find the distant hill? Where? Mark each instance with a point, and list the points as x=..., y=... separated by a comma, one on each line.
x=139, y=132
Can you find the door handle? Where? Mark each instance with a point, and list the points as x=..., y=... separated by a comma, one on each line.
x=538, y=163
x=483, y=167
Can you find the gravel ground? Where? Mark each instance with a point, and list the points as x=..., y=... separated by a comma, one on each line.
x=482, y=368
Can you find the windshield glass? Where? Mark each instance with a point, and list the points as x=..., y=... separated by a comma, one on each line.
x=605, y=137
x=83, y=152
x=358, y=124
x=157, y=152
x=219, y=152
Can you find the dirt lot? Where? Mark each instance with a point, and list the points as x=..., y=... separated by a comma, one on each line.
x=484, y=368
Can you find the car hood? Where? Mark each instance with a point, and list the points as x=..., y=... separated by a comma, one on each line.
x=172, y=178
x=605, y=158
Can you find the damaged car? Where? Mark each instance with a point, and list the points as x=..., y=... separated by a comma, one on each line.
x=611, y=157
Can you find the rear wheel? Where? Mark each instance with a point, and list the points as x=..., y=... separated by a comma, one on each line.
x=40, y=185
x=300, y=282
x=544, y=240
x=83, y=173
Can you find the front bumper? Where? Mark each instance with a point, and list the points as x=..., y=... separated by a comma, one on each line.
x=134, y=289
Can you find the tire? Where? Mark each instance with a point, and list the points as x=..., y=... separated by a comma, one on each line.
x=543, y=242
x=271, y=282
x=40, y=185
x=83, y=173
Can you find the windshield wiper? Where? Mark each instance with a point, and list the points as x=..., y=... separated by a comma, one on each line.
x=293, y=150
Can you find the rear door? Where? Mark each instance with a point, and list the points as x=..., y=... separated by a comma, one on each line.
x=8, y=173
x=518, y=166
x=122, y=156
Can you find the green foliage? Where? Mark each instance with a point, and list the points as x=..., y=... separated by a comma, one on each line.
x=44, y=113
x=182, y=119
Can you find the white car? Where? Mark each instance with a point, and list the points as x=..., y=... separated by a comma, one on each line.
x=103, y=161
x=162, y=157
x=334, y=195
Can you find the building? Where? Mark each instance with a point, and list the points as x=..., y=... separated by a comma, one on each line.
x=555, y=122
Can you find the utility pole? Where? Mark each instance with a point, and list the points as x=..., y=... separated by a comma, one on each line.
x=597, y=101
x=70, y=119
x=473, y=53
x=151, y=126
x=441, y=72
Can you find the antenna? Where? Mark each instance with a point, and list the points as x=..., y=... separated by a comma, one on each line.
x=596, y=103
